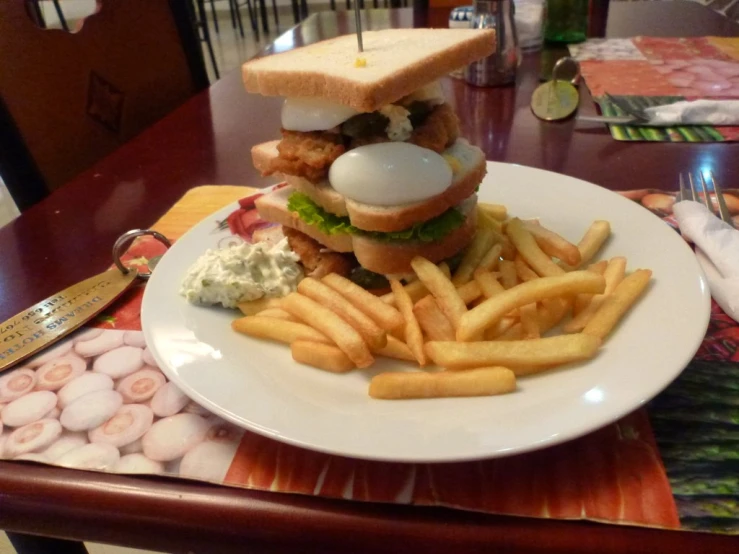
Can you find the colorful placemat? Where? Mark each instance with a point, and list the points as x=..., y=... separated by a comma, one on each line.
x=696, y=419
x=648, y=70
x=97, y=401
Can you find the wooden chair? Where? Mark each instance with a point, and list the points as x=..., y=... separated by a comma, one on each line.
x=69, y=99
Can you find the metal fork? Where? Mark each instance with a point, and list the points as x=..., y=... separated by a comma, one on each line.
x=691, y=194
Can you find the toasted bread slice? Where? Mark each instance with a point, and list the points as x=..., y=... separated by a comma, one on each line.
x=273, y=207
x=396, y=63
x=384, y=257
x=469, y=171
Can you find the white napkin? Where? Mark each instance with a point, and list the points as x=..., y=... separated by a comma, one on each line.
x=697, y=112
x=717, y=250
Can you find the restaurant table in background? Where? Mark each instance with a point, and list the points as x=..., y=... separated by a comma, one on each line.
x=68, y=236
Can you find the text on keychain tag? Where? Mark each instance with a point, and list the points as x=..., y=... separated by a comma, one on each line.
x=558, y=99
x=53, y=318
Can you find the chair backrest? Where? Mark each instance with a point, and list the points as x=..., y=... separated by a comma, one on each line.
x=69, y=99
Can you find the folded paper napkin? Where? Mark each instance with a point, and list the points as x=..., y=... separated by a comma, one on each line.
x=697, y=112
x=717, y=250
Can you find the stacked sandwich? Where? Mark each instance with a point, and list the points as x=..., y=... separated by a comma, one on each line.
x=376, y=170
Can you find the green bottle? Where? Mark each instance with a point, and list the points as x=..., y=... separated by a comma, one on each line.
x=566, y=21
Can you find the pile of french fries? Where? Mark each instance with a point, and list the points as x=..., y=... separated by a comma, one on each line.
x=484, y=326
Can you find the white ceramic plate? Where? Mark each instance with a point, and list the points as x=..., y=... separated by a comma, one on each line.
x=256, y=385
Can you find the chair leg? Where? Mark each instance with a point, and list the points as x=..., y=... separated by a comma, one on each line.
x=263, y=15
x=277, y=17
x=232, y=12
x=36, y=14
x=237, y=11
x=206, y=36
x=348, y=4
x=215, y=16
x=333, y=5
x=60, y=14
x=253, y=18
x=296, y=11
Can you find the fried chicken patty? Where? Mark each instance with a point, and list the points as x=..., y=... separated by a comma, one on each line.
x=317, y=260
x=310, y=154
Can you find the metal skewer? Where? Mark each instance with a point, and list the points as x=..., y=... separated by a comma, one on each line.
x=358, y=18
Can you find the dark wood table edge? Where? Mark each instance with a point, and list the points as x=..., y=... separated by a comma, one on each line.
x=126, y=510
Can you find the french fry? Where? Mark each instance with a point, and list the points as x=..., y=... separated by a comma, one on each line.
x=496, y=307
x=491, y=258
x=496, y=211
x=529, y=250
x=508, y=251
x=279, y=330
x=508, y=277
x=582, y=300
x=529, y=321
x=613, y=275
x=416, y=290
x=548, y=315
x=617, y=304
x=442, y=288
x=253, y=307
x=557, y=350
x=330, y=324
x=486, y=381
x=373, y=335
x=480, y=245
x=591, y=242
x=553, y=244
x=469, y=292
x=598, y=267
x=322, y=356
x=503, y=325
x=397, y=349
x=523, y=271
x=486, y=221
x=277, y=313
x=387, y=317
x=413, y=335
x=489, y=285
x=432, y=320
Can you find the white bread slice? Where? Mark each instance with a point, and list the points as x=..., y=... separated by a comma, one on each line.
x=469, y=173
x=273, y=207
x=381, y=257
x=398, y=61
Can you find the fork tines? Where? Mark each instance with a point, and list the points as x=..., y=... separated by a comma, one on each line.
x=691, y=194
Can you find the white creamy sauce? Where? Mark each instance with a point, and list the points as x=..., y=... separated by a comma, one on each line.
x=314, y=114
x=242, y=272
x=399, y=125
x=390, y=173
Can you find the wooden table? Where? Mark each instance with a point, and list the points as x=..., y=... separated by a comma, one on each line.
x=69, y=236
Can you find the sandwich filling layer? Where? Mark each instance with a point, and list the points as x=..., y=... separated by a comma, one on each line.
x=330, y=224
x=309, y=154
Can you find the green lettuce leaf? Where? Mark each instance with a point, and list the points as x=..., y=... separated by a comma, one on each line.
x=427, y=231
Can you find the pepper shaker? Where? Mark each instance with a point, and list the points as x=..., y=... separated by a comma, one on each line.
x=500, y=67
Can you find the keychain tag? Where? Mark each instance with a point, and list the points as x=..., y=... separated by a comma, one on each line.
x=558, y=99
x=55, y=317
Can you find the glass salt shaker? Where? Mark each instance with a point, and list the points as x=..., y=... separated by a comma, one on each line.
x=500, y=67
